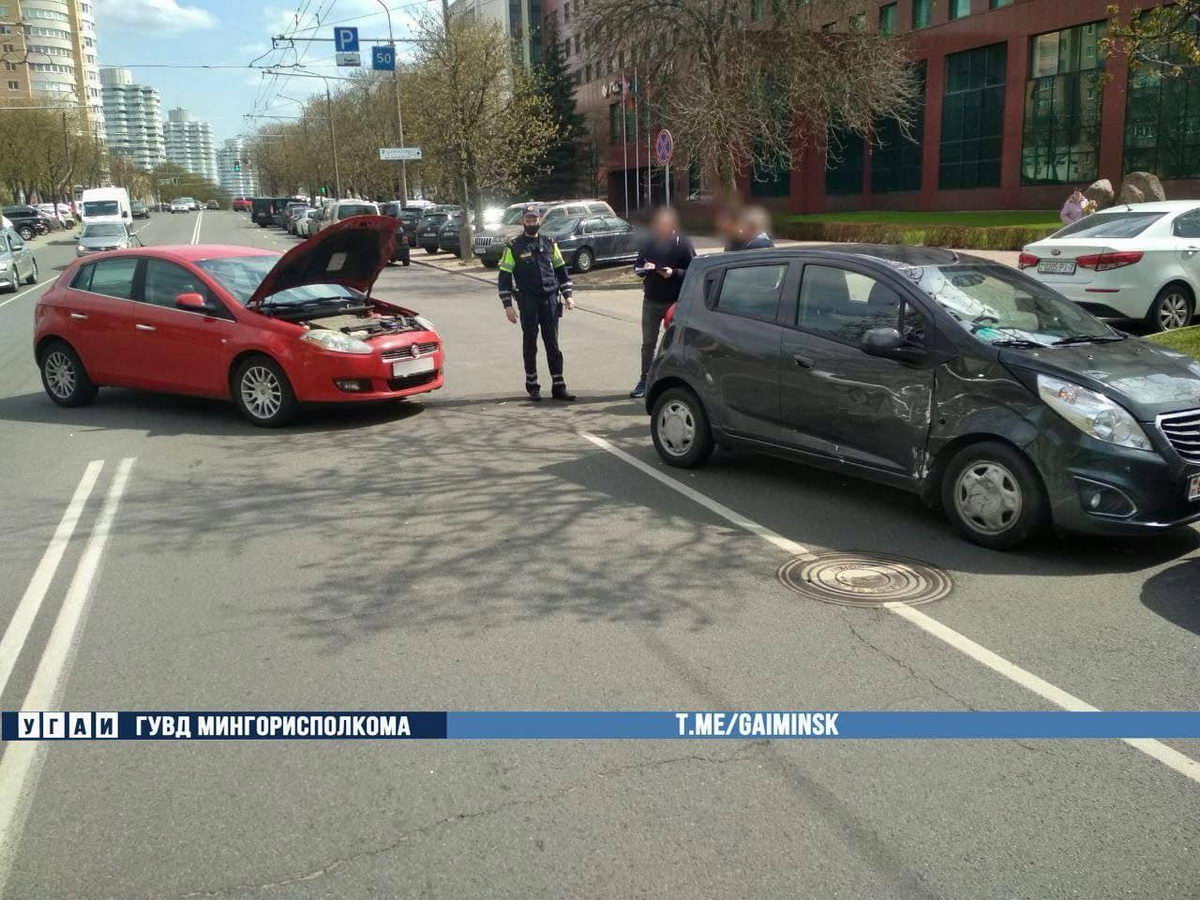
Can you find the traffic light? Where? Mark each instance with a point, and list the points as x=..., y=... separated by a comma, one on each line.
x=237, y=165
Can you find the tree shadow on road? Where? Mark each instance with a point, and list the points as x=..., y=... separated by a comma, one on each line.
x=1174, y=594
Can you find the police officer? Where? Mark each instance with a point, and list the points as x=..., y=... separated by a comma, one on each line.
x=533, y=273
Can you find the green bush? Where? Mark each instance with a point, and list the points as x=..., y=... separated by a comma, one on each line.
x=956, y=236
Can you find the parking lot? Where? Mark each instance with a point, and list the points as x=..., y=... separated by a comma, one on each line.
x=471, y=550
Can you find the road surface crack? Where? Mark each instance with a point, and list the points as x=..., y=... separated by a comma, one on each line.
x=458, y=818
x=909, y=670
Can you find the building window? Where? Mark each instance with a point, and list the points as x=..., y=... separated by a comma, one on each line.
x=1061, y=139
x=999, y=4
x=756, y=10
x=960, y=9
x=896, y=158
x=973, y=118
x=844, y=162
x=887, y=19
x=922, y=13
x=858, y=22
x=614, y=123
x=1162, y=123
x=14, y=85
x=770, y=179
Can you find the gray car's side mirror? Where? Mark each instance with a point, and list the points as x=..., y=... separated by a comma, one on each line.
x=888, y=343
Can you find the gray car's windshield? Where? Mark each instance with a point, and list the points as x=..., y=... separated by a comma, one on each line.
x=241, y=276
x=111, y=229
x=999, y=305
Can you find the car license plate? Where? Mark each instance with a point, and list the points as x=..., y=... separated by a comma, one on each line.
x=1194, y=487
x=407, y=367
x=1056, y=267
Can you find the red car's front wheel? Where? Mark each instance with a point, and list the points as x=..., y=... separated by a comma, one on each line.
x=263, y=393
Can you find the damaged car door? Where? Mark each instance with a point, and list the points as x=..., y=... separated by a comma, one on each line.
x=837, y=400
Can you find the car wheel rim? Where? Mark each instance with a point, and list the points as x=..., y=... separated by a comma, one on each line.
x=585, y=261
x=60, y=374
x=1173, y=311
x=988, y=497
x=676, y=428
x=35, y=271
x=261, y=392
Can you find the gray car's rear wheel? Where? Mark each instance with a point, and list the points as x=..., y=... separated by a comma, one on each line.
x=679, y=428
x=584, y=260
x=33, y=272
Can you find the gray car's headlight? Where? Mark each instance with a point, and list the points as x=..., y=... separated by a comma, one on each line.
x=1092, y=413
x=335, y=341
x=81, y=248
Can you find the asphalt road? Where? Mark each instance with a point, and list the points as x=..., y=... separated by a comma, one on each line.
x=472, y=551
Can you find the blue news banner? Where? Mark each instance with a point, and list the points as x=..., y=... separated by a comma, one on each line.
x=596, y=725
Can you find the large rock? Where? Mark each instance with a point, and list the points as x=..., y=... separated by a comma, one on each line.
x=1101, y=193
x=1130, y=194
x=1148, y=184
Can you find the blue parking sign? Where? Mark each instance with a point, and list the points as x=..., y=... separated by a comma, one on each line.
x=383, y=58
x=345, y=40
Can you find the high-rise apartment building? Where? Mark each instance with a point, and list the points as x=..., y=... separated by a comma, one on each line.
x=235, y=171
x=521, y=20
x=48, y=50
x=189, y=143
x=132, y=118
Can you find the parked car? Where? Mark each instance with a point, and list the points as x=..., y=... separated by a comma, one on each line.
x=266, y=331
x=140, y=210
x=402, y=251
x=51, y=217
x=1131, y=262
x=17, y=265
x=194, y=203
x=181, y=205
x=336, y=210
x=948, y=375
x=290, y=209
x=430, y=227
x=595, y=240
x=26, y=221
x=97, y=237
x=306, y=224
x=291, y=214
x=490, y=241
x=212, y=204
x=240, y=204
x=448, y=234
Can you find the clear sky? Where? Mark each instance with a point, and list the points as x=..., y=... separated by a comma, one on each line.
x=149, y=36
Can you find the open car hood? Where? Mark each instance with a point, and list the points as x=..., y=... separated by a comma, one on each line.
x=351, y=253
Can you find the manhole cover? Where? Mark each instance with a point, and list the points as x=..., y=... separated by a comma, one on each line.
x=864, y=579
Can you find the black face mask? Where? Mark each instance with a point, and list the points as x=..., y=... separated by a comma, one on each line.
x=532, y=230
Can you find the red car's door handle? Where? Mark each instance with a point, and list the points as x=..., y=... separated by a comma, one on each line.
x=78, y=316
x=140, y=327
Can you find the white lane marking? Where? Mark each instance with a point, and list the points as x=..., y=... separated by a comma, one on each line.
x=1157, y=750
x=31, y=601
x=22, y=760
x=40, y=284
x=196, y=228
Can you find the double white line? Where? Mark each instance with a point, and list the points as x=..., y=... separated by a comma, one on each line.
x=21, y=762
x=196, y=227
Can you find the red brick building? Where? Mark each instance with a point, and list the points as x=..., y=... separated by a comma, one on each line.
x=1020, y=105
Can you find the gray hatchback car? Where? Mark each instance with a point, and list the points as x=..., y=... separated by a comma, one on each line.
x=957, y=378
x=17, y=265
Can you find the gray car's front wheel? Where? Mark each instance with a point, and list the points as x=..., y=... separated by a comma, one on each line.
x=679, y=428
x=993, y=496
x=584, y=260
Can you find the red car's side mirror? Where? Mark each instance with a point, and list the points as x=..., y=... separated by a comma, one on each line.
x=192, y=302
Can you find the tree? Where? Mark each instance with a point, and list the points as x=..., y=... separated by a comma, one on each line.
x=45, y=151
x=483, y=124
x=1164, y=38
x=739, y=93
x=563, y=169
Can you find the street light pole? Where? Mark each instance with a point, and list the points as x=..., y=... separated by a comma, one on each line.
x=399, y=110
x=337, y=177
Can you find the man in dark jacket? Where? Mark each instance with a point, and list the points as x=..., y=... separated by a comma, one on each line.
x=752, y=230
x=661, y=264
x=533, y=273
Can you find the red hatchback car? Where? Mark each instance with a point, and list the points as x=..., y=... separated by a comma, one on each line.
x=266, y=331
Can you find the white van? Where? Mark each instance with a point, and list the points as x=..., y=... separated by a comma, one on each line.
x=105, y=205
x=336, y=210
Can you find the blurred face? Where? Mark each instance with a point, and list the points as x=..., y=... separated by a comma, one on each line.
x=664, y=225
x=531, y=222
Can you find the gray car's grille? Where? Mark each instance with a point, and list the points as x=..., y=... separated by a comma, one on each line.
x=483, y=241
x=397, y=353
x=1182, y=429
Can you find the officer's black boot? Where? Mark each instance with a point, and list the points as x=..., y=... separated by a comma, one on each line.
x=559, y=391
x=532, y=386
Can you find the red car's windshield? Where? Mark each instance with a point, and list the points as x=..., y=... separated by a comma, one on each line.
x=241, y=276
